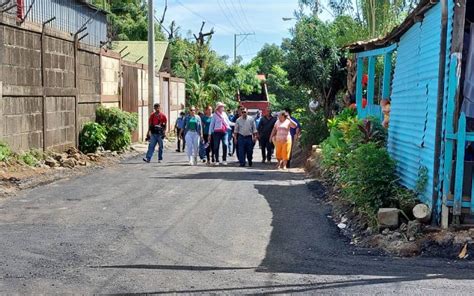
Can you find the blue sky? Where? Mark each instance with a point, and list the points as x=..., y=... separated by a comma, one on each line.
x=233, y=16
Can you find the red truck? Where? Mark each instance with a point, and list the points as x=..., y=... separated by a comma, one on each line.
x=257, y=100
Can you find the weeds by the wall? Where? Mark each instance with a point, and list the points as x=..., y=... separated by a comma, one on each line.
x=30, y=158
x=5, y=152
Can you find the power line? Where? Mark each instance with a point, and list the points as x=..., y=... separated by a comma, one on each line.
x=236, y=28
x=244, y=14
x=236, y=45
x=236, y=18
x=239, y=16
x=232, y=16
x=203, y=18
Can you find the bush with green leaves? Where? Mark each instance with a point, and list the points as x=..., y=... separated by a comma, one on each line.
x=314, y=129
x=355, y=158
x=369, y=176
x=119, y=126
x=5, y=152
x=92, y=136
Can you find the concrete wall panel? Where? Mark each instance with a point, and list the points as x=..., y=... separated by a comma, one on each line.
x=22, y=122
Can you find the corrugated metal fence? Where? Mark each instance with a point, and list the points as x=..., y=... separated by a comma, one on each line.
x=412, y=128
x=71, y=15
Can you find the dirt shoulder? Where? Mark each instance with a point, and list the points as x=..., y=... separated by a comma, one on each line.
x=15, y=177
x=411, y=238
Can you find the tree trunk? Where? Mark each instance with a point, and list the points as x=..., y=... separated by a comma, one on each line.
x=329, y=100
x=351, y=81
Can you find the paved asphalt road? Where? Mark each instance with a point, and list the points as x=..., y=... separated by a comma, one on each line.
x=171, y=228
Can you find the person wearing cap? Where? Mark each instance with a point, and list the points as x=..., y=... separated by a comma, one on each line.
x=193, y=135
x=179, y=128
x=156, y=133
x=245, y=133
x=218, y=132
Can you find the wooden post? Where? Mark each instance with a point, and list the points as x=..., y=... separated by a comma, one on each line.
x=450, y=138
x=457, y=44
x=76, y=86
x=360, y=73
x=459, y=178
x=387, y=75
x=371, y=82
x=43, y=83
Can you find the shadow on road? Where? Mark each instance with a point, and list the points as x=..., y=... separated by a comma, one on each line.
x=305, y=241
x=242, y=175
x=173, y=267
x=289, y=288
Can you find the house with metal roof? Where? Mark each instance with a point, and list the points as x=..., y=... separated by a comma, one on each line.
x=137, y=52
x=423, y=67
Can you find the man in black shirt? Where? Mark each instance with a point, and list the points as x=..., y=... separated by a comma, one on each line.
x=264, y=131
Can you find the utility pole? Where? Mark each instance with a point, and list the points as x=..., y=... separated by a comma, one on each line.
x=151, y=56
x=201, y=40
x=245, y=35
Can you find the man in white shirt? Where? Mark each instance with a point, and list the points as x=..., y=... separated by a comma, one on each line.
x=245, y=133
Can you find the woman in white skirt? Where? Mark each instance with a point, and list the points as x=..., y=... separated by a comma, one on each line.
x=193, y=135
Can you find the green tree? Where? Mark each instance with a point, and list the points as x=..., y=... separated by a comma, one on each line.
x=271, y=61
x=269, y=56
x=315, y=61
x=377, y=16
x=201, y=93
x=210, y=76
x=128, y=20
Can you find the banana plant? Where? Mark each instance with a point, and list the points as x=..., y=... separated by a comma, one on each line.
x=201, y=93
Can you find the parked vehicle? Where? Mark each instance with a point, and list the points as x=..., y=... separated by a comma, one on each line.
x=257, y=100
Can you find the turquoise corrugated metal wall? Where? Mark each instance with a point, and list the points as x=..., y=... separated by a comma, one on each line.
x=412, y=128
x=451, y=6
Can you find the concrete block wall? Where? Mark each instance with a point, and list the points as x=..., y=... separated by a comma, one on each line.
x=22, y=122
x=89, y=85
x=86, y=113
x=60, y=122
x=177, y=99
x=173, y=94
x=21, y=60
x=59, y=63
x=88, y=72
x=110, y=73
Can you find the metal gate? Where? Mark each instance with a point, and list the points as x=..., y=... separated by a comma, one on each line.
x=130, y=93
x=458, y=185
x=165, y=102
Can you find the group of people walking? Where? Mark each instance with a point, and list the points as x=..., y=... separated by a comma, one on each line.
x=201, y=135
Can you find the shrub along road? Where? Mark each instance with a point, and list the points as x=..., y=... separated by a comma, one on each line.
x=159, y=228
